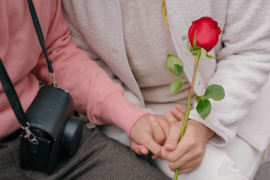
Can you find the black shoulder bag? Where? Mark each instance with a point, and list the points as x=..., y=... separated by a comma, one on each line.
x=51, y=131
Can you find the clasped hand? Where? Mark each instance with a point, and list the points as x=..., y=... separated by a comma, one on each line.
x=160, y=135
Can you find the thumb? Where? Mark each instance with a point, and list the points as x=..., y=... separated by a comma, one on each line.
x=173, y=138
x=151, y=144
x=139, y=149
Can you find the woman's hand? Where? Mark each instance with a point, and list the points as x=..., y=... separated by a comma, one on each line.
x=149, y=133
x=160, y=127
x=189, y=152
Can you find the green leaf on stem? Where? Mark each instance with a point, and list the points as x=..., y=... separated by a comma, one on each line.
x=204, y=54
x=215, y=92
x=182, y=79
x=194, y=40
x=177, y=85
x=210, y=57
x=204, y=108
x=178, y=69
x=198, y=98
x=172, y=61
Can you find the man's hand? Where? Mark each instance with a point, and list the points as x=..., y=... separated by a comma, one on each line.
x=159, y=129
x=149, y=133
x=189, y=152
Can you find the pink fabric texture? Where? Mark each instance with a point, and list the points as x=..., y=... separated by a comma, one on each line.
x=93, y=91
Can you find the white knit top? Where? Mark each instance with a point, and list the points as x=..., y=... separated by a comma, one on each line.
x=147, y=41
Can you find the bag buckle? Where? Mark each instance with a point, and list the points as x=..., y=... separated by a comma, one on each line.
x=53, y=78
x=29, y=135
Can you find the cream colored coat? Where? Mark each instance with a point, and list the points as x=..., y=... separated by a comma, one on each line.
x=244, y=69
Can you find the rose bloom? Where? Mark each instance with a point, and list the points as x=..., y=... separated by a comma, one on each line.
x=207, y=33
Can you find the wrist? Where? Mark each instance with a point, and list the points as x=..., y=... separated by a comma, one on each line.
x=207, y=132
x=138, y=121
x=210, y=133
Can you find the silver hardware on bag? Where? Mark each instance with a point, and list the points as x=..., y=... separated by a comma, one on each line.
x=53, y=78
x=29, y=134
x=55, y=84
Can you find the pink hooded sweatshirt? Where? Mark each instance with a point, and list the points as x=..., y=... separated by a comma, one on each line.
x=93, y=91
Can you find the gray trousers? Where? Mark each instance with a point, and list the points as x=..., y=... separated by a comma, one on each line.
x=98, y=157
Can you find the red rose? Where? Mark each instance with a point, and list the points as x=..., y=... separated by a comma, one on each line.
x=207, y=32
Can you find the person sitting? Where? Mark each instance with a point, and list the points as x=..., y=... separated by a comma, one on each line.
x=130, y=41
x=93, y=92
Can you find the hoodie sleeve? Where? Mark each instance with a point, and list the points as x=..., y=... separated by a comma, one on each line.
x=93, y=91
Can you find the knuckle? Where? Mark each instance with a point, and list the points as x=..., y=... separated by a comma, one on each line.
x=135, y=149
x=180, y=115
x=199, y=152
x=157, y=153
x=174, y=120
x=191, y=143
x=143, y=141
x=191, y=128
x=174, y=144
x=170, y=120
x=178, y=125
x=155, y=124
x=171, y=158
x=160, y=139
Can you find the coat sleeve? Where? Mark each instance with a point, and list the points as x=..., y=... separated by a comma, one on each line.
x=243, y=70
x=93, y=91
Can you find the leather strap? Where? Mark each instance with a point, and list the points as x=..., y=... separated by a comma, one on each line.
x=39, y=34
x=6, y=82
x=12, y=95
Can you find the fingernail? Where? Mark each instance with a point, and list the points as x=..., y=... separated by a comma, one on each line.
x=174, y=110
x=168, y=114
x=168, y=146
x=152, y=119
x=142, y=151
x=154, y=157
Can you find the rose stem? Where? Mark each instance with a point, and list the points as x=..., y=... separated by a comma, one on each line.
x=189, y=106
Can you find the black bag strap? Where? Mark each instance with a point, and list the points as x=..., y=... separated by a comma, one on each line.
x=41, y=38
x=8, y=86
x=12, y=95
x=15, y=102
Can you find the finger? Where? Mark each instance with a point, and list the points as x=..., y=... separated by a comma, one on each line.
x=173, y=138
x=177, y=114
x=195, y=161
x=184, y=171
x=179, y=108
x=139, y=149
x=170, y=118
x=159, y=135
x=149, y=142
x=182, y=162
x=154, y=157
x=188, y=167
x=187, y=143
x=191, y=165
x=164, y=125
